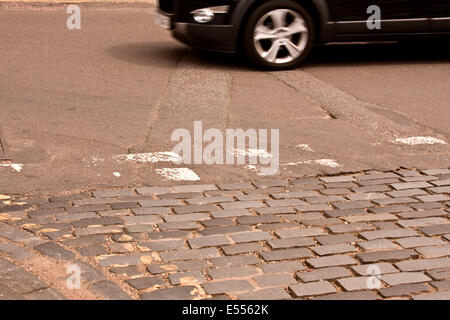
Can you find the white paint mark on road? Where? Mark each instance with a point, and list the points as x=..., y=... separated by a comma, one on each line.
x=116, y=174
x=15, y=166
x=412, y=141
x=261, y=153
x=323, y=162
x=305, y=147
x=178, y=174
x=149, y=157
x=261, y=171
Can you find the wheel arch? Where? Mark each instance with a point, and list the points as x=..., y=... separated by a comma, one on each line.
x=317, y=8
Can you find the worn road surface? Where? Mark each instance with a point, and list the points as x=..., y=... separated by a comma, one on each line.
x=93, y=207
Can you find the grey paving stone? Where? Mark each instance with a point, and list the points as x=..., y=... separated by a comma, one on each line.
x=439, y=274
x=394, y=279
x=187, y=217
x=324, y=274
x=369, y=189
x=423, y=264
x=227, y=213
x=183, y=278
x=242, y=248
x=404, y=290
x=235, y=186
x=295, y=194
x=164, y=245
x=251, y=236
x=168, y=235
x=109, y=290
x=336, y=260
x=130, y=271
x=264, y=294
x=351, y=227
x=153, y=190
x=206, y=200
x=275, y=210
x=335, y=239
x=396, y=233
x=270, y=183
x=192, y=208
x=377, y=244
x=441, y=285
x=145, y=282
x=313, y=207
x=285, y=203
x=433, y=198
x=291, y=243
x=221, y=222
x=371, y=217
x=286, y=254
x=123, y=238
x=374, y=268
x=20, y=236
x=277, y=226
x=194, y=254
x=253, y=197
x=357, y=283
x=85, y=240
x=334, y=248
x=98, y=230
x=15, y=251
x=186, y=225
x=275, y=280
x=218, y=287
x=208, y=241
x=160, y=203
x=312, y=289
x=123, y=260
x=233, y=272
x=241, y=205
x=244, y=259
x=151, y=210
x=299, y=233
x=435, y=251
x=353, y=204
x=89, y=208
x=285, y=266
x=385, y=225
x=253, y=220
x=388, y=255
x=146, y=219
x=54, y=251
x=321, y=222
x=92, y=250
x=176, y=293
x=338, y=179
x=410, y=185
x=76, y=216
x=436, y=230
x=422, y=214
x=441, y=295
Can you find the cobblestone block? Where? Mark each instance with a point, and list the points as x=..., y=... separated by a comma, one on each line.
x=380, y=267
x=388, y=255
x=160, y=203
x=439, y=274
x=205, y=253
x=286, y=254
x=218, y=287
x=183, y=278
x=164, y=245
x=208, y=241
x=390, y=234
x=441, y=295
x=98, y=230
x=377, y=244
x=265, y=294
x=109, y=290
x=404, y=290
x=92, y=250
x=436, y=230
x=187, y=217
x=242, y=248
x=422, y=214
x=433, y=198
x=194, y=188
x=312, y=289
x=151, y=210
x=404, y=277
x=221, y=222
x=176, y=293
x=15, y=251
x=253, y=220
x=423, y=222
x=227, y=213
x=435, y=251
x=233, y=272
x=186, y=225
x=423, y=264
x=351, y=227
x=357, y=283
x=206, y=200
x=336, y=260
x=275, y=210
x=410, y=185
x=285, y=266
x=168, y=235
x=244, y=259
x=324, y=274
x=192, y=208
x=145, y=282
x=291, y=243
x=153, y=190
x=299, y=233
x=334, y=248
x=250, y=236
x=275, y=280
x=338, y=238
x=313, y=207
x=352, y=204
x=123, y=260
x=54, y=251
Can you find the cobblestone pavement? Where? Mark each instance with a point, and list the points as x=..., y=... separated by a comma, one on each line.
x=330, y=237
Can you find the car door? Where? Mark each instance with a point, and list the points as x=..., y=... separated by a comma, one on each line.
x=439, y=14
x=397, y=16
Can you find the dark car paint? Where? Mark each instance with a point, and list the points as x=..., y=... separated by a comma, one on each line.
x=335, y=20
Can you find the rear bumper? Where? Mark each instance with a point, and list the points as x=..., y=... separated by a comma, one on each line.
x=220, y=38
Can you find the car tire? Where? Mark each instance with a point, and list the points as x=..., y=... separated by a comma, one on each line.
x=278, y=35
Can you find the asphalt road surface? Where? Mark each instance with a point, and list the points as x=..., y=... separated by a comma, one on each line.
x=73, y=101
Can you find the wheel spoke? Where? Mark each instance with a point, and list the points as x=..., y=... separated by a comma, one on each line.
x=297, y=26
x=272, y=53
x=294, y=51
x=262, y=32
x=278, y=18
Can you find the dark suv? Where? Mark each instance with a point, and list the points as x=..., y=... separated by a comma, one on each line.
x=278, y=34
